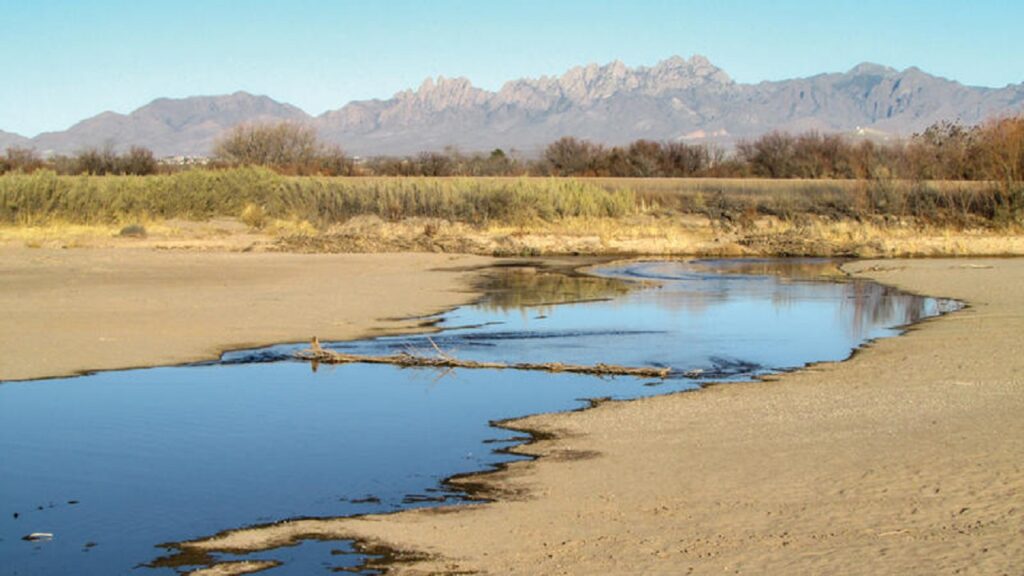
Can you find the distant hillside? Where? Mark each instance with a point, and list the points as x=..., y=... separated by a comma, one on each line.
x=185, y=126
x=678, y=99
x=7, y=140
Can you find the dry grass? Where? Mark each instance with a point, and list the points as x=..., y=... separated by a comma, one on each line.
x=526, y=216
x=662, y=235
x=257, y=195
x=60, y=233
x=759, y=185
x=215, y=234
x=959, y=204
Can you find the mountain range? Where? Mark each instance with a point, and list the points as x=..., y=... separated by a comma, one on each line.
x=678, y=99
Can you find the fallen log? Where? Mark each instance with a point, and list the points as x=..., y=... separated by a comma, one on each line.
x=317, y=354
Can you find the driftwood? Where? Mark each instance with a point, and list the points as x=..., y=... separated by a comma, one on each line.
x=317, y=354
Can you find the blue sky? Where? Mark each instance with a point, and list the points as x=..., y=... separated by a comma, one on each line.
x=66, y=60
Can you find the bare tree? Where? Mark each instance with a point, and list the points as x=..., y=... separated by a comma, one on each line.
x=17, y=159
x=286, y=146
x=570, y=156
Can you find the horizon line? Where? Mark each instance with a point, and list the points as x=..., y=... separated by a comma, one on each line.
x=428, y=78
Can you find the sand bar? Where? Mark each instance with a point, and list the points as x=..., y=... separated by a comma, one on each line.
x=67, y=311
x=906, y=459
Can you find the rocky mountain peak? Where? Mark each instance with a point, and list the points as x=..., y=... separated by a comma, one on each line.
x=675, y=99
x=677, y=73
x=871, y=69
x=443, y=94
x=584, y=84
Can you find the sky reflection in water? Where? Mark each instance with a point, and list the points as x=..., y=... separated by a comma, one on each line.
x=117, y=462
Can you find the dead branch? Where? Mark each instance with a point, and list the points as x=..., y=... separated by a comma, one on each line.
x=440, y=353
x=407, y=360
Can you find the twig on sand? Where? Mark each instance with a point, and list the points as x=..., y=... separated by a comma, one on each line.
x=405, y=359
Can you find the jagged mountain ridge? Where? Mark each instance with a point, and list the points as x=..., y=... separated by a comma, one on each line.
x=677, y=99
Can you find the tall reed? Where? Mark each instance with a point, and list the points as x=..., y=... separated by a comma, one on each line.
x=44, y=196
x=201, y=194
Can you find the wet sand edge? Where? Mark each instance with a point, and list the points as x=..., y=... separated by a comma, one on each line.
x=516, y=485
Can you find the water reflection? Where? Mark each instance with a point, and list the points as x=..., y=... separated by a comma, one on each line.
x=693, y=319
x=787, y=268
x=170, y=454
x=528, y=287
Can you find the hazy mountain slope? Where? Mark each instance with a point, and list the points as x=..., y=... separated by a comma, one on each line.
x=10, y=139
x=677, y=99
x=182, y=126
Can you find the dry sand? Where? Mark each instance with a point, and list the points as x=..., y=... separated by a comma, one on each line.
x=906, y=459
x=66, y=311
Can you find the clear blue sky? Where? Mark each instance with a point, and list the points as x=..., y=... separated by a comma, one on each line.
x=63, y=61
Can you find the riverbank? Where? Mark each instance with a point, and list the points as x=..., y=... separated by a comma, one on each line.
x=626, y=236
x=259, y=210
x=902, y=460
x=67, y=311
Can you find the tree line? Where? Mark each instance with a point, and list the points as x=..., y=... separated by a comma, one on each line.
x=137, y=160
x=945, y=151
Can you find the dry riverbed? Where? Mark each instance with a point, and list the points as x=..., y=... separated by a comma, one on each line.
x=905, y=459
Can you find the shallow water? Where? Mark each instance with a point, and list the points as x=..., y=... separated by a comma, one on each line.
x=118, y=462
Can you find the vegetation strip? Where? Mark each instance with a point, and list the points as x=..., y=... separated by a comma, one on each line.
x=257, y=195
x=316, y=354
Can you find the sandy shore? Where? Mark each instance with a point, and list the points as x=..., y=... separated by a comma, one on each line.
x=65, y=311
x=906, y=459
